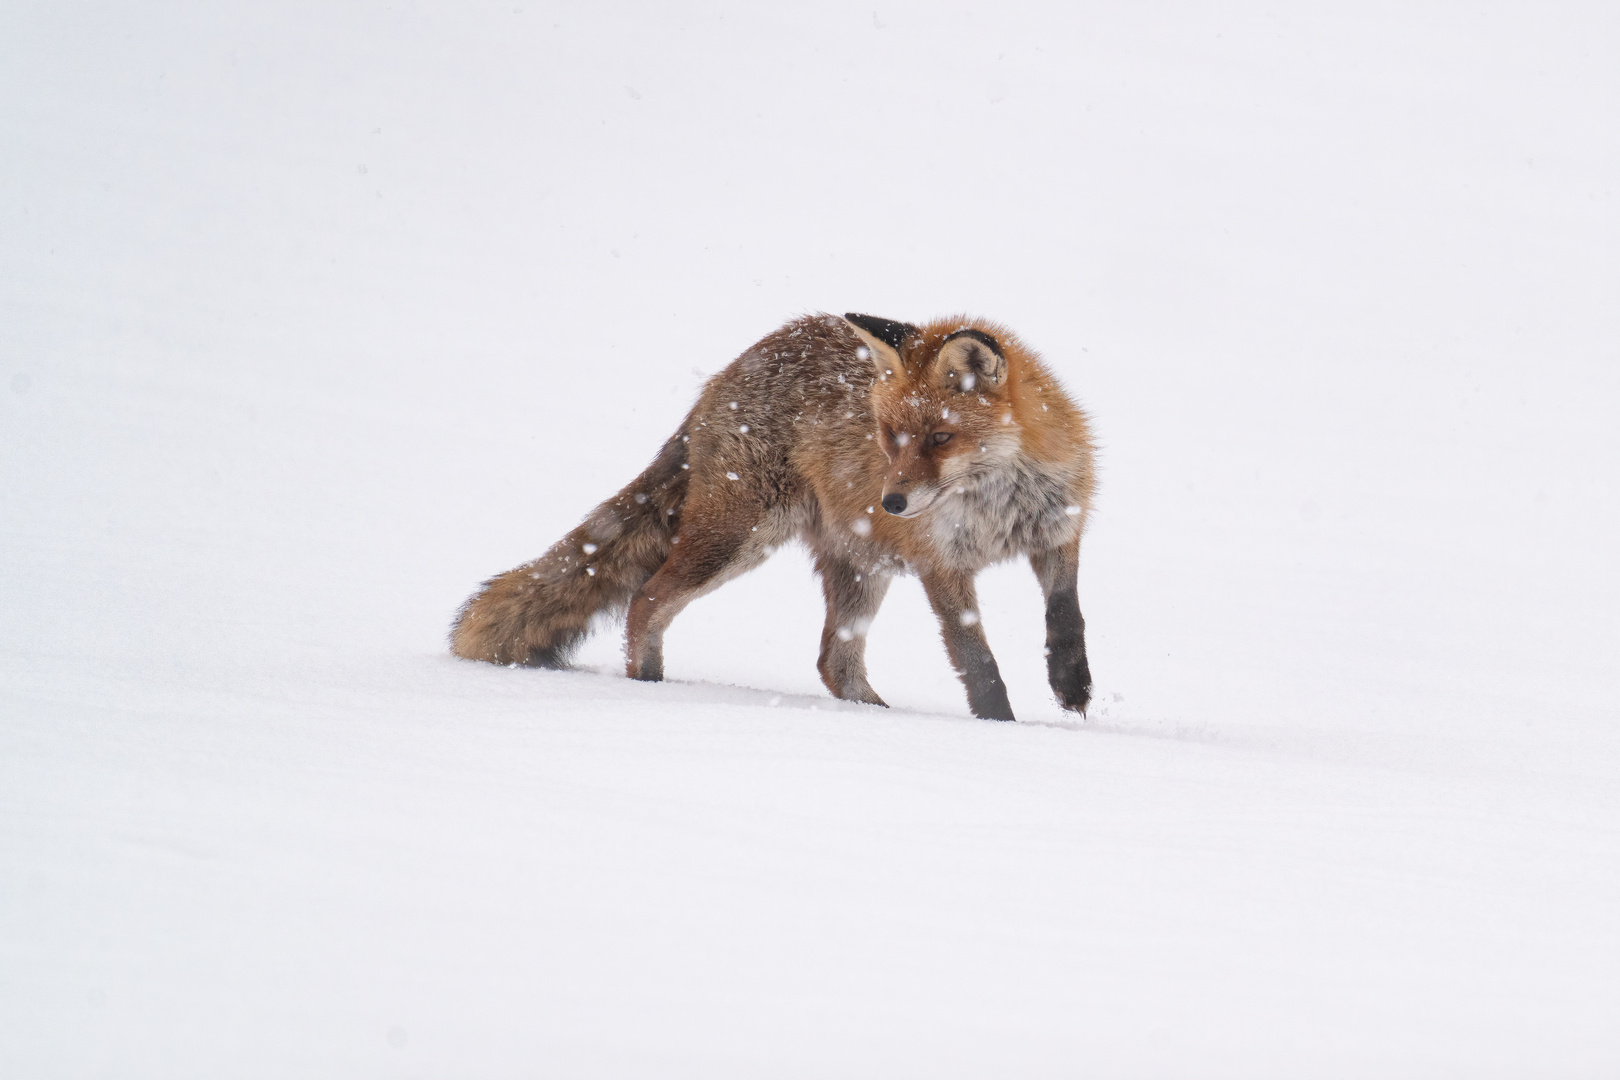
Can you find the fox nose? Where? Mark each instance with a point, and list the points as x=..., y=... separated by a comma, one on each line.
x=894, y=503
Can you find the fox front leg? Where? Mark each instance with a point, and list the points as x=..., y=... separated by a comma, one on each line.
x=956, y=605
x=853, y=598
x=1057, y=569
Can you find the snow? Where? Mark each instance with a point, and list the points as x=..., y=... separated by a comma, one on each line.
x=312, y=318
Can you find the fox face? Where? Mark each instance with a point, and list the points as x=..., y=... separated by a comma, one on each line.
x=920, y=436
x=959, y=424
x=941, y=410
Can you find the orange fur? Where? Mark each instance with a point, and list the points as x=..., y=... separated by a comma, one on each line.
x=886, y=448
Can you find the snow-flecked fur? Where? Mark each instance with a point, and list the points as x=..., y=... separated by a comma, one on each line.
x=954, y=429
x=537, y=614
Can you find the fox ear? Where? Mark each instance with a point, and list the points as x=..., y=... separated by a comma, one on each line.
x=971, y=360
x=882, y=337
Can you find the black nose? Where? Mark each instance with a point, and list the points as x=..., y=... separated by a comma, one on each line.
x=895, y=503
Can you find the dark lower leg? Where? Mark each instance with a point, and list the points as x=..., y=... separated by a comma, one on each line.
x=955, y=604
x=650, y=614
x=1066, y=666
x=853, y=598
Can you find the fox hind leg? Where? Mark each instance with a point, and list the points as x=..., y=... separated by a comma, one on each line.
x=853, y=598
x=700, y=560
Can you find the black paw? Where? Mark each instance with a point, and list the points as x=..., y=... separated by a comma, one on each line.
x=987, y=695
x=991, y=705
x=1072, y=685
x=650, y=671
x=1076, y=699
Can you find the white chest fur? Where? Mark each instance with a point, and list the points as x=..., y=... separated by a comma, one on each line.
x=998, y=509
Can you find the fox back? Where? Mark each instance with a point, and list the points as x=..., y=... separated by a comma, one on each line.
x=886, y=448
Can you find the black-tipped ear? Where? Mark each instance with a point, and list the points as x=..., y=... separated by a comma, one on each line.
x=888, y=331
x=971, y=360
x=980, y=336
x=885, y=358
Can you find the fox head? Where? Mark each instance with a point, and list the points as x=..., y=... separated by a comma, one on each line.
x=941, y=404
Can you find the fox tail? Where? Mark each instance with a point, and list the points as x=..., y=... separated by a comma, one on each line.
x=538, y=614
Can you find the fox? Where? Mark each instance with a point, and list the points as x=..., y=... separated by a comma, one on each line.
x=886, y=448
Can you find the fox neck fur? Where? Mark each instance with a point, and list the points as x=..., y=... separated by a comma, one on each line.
x=886, y=447
x=991, y=457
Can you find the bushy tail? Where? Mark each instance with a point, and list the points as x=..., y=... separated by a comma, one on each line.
x=540, y=612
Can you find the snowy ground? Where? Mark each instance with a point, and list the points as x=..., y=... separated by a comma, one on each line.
x=311, y=318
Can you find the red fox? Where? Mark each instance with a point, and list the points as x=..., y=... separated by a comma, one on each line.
x=886, y=447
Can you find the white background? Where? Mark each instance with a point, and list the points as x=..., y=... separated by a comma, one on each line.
x=313, y=317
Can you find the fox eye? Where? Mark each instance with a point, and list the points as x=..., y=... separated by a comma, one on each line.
x=940, y=438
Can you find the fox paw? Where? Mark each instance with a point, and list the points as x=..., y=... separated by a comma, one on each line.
x=1072, y=685
x=1075, y=700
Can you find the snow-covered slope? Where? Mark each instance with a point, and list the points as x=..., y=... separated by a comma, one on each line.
x=311, y=318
